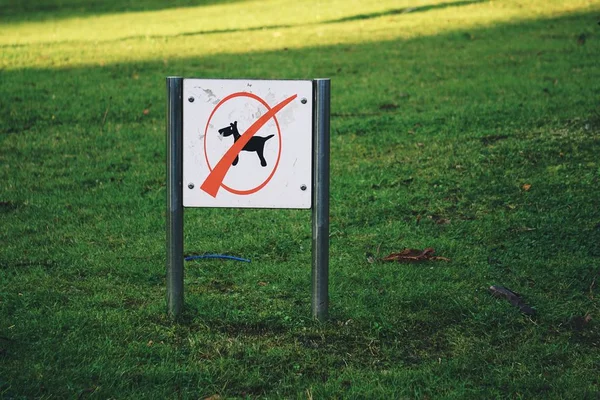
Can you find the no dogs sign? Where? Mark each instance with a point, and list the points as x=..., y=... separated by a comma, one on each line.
x=247, y=143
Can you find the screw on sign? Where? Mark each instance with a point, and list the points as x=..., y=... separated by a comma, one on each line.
x=248, y=143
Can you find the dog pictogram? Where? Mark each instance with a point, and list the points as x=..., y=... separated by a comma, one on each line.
x=256, y=143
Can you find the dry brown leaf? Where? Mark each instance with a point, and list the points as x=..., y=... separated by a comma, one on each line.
x=262, y=283
x=526, y=187
x=414, y=255
x=146, y=111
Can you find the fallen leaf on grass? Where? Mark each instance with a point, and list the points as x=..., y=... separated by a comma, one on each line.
x=262, y=283
x=526, y=187
x=414, y=255
x=514, y=298
x=146, y=111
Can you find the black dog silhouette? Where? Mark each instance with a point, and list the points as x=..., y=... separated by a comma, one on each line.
x=256, y=143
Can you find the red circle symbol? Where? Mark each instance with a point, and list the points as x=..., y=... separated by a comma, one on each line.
x=264, y=103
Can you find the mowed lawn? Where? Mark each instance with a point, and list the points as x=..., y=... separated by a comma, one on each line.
x=470, y=127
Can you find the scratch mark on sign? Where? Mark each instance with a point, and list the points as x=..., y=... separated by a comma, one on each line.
x=210, y=96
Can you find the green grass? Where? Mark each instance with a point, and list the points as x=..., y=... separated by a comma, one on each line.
x=442, y=111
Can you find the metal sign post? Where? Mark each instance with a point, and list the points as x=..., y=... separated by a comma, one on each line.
x=174, y=196
x=320, y=203
x=278, y=133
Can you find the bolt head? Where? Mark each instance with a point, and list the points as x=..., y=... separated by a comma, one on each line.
x=191, y=185
x=191, y=99
x=303, y=187
x=303, y=101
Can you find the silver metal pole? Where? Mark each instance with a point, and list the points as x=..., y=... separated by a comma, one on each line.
x=320, y=199
x=174, y=196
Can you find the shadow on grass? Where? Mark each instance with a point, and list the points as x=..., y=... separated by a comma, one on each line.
x=55, y=9
x=345, y=19
x=407, y=10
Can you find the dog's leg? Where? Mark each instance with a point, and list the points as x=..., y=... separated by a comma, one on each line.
x=263, y=162
x=237, y=158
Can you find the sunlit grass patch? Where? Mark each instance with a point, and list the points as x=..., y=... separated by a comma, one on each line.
x=246, y=27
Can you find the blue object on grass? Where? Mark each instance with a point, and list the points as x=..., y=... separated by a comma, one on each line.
x=221, y=256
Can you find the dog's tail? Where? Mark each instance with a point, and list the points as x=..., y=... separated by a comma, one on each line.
x=268, y=137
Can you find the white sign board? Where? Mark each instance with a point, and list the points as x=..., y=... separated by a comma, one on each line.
x=247, y=143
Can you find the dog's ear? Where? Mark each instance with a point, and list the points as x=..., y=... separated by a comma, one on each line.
x=234, y=123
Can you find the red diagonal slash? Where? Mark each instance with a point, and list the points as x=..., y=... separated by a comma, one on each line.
x=213, y=181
